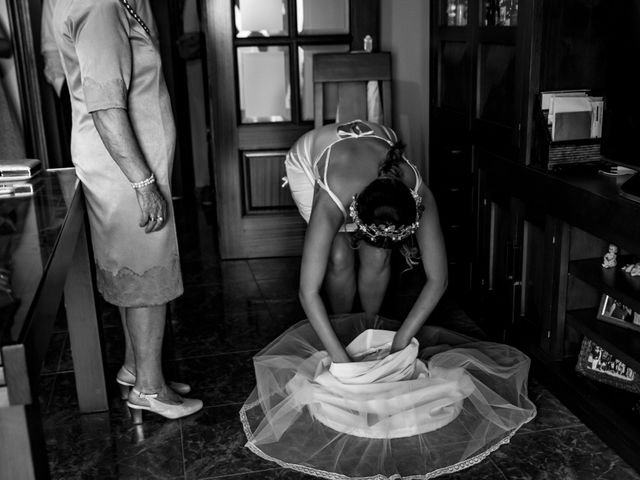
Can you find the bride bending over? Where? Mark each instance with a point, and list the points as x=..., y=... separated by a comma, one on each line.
x=356, y=395
x=361, y=196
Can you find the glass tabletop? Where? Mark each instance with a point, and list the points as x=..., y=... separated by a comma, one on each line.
x=29, y=230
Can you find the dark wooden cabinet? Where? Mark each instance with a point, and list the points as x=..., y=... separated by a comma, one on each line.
x=525, y=245
x=542, y=236
x=480, y=64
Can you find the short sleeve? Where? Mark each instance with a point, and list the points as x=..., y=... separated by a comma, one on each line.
x=101, y=38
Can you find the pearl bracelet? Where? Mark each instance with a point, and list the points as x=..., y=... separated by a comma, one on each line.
x=143, y=183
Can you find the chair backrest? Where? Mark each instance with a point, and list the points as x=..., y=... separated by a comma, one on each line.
x=353, y=72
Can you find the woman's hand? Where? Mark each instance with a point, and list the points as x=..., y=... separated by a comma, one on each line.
x=400, y=342
x=153, y=208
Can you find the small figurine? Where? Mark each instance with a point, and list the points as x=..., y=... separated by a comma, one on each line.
x=610, y=258
x=632, y=269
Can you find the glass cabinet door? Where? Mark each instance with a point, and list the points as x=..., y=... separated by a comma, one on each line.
x=456, y=13
x=499, y=13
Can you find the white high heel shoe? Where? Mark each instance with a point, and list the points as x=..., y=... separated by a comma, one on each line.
x=127, y=379
x=139, y=401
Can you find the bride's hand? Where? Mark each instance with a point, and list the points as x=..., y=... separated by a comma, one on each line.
x=399, y=342
x=340, y=357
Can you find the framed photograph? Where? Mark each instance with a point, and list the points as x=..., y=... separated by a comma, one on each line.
x=614, y=311
x=596, y=363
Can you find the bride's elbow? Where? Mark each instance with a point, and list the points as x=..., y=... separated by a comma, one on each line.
x=441, y=283
x=305, y=296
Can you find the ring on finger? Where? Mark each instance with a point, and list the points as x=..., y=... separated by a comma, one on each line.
x=160, y=219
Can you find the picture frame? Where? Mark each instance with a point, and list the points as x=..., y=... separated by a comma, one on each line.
x=616, y=312
x=596, y=363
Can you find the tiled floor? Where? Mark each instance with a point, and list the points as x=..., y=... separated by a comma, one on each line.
x=230, y=310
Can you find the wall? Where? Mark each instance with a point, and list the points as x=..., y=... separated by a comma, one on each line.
x=7, y=65
x=404, y=31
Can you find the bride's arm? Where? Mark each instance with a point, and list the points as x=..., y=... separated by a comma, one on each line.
x=434, y=260
x=323, y=226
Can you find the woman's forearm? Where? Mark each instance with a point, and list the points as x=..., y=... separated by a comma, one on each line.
x=317, y=315
x=115, y=130
x=425, y=303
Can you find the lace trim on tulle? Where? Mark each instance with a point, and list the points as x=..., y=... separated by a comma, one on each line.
x=470, y=462
x=126, y=288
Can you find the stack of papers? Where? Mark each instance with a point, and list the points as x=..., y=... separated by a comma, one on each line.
x=573, y=114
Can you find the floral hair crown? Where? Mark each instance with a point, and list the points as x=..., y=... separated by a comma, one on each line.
x=392, y=232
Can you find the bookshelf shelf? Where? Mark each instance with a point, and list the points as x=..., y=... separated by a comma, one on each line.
x=619, y=341
x=612, y=281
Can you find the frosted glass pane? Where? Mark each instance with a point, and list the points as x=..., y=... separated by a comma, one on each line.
x=262, y=18
x=321, y=17
x=305, y=59
x=265, y=89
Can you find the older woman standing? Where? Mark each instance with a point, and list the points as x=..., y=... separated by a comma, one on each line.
x=122, y=145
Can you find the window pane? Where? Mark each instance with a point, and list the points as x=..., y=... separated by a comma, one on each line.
x=456, y=13
x=500, y=13
x=305, y=59
x=321, y=17
x=265, y=89
x=260, y=18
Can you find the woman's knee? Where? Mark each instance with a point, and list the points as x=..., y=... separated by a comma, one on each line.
x=341, y=257
x=375, y=261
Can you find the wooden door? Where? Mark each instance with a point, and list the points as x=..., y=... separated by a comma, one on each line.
x=259, y=56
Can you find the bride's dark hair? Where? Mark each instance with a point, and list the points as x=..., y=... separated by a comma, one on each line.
x=386, y=201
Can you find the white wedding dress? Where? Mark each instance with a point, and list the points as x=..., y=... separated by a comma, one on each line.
x=442, y=404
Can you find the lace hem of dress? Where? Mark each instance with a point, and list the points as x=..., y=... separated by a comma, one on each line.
x=470, y=462
x=126, y=288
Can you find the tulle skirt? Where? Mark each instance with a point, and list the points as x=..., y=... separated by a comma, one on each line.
x=442, y=404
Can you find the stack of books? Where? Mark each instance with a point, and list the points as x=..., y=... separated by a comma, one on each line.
x=572, y=114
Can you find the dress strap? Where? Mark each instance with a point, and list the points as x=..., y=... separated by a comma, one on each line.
x=416, y=173
x=353, y=129
x=325, y=185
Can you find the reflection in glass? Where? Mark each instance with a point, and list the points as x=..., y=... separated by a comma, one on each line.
x=265, y=89
x=455, y=69
x=457, y=13
x=305, y=60
x=260, y=18
x=497, y=71
x=322, y=17
x=500, y=13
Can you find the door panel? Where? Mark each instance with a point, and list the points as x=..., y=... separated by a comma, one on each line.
x=259, y=56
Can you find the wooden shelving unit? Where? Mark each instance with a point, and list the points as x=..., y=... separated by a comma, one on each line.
x=621, y=342
x=612, y=281
x=547, y=270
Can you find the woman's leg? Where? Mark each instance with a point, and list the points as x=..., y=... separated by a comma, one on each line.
x=129, y=357
x=146, y=328
x=340, y=279
x=373, y=276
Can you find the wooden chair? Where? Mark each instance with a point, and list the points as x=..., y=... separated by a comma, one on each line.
x=352, y=72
